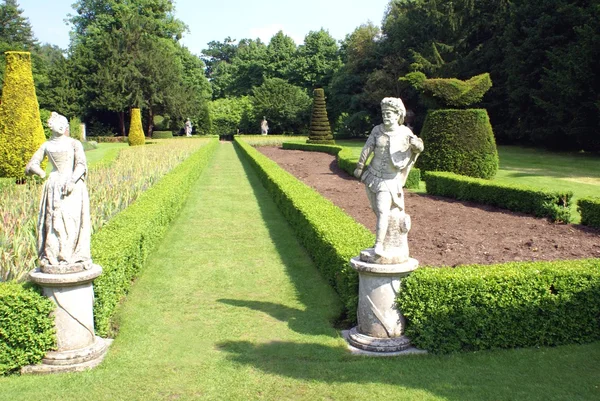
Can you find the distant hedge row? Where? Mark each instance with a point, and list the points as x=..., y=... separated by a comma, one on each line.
x=509, y=305
x=346, y=159
x=330, y=236
x=122, y=245
x=552, y=204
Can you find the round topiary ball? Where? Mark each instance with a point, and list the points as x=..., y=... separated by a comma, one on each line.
x=459, y=141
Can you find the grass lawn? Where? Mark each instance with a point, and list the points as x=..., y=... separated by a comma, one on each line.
x=105, y=153
x=230, y=307
x=576, y=172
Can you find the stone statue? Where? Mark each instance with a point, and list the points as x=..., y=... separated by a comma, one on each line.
x=264, y=126
x=188, y=127
x=395, y=149
x=64, y=227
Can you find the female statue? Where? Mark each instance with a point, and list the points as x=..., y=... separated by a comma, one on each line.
x=64, y=227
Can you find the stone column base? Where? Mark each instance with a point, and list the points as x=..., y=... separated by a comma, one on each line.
x=373, y=344
x=75, y=360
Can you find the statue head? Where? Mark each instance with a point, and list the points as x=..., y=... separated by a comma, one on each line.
x=394, y=105
x=58, y=123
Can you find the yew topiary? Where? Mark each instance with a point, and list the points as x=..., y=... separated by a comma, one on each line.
x=136, y=133
x=457, y=139
x=320, y=131
x=21, y=131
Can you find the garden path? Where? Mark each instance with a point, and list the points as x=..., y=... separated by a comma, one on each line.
x=230, y=307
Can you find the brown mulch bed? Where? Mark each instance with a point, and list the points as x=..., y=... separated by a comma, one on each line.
x=446, y=232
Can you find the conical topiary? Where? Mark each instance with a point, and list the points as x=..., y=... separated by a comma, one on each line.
x=21, y=131
x=136, y=133
x=320, y=131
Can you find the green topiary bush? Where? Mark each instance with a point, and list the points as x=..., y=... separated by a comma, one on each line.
x=459, y=141
x=136, y=133
x=21, y=131
x=162, y=134
x=552, y=204
x=75, y=130
x=26, y=327
x=510, y=305
x=320, y=131
x=590, y=211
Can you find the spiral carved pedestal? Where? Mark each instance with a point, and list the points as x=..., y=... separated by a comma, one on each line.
x=78, y=348
x=380, y=323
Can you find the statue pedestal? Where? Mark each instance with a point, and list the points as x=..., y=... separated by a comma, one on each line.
x=78, y=348
x=380, y=323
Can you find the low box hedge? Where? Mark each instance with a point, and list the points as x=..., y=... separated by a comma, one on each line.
x=502, y=306
x=122, y=245
x=541, y=203
x=346, y=159
x=589, y=208
x=162, y=134
x=107, y=139
x=26, y=327
x=330, y=236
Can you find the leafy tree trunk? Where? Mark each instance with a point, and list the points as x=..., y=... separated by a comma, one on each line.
x=150, y=122
x=122, y=122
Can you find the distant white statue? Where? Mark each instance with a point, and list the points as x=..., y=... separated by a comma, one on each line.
x=188, y=127
x=395, y=149
x=264, y=126
x=64, y=227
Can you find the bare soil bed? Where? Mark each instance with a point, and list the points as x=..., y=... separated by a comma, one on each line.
x=446, y=232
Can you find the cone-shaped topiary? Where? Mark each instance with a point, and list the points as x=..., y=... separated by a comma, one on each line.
x=457, y=139
x=136, y=133
x=21, y=131
x=320, y=131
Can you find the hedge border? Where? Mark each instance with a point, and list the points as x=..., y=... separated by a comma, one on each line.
x=555, y=205
x=330, y=236
x=346, y=159
x=519, y=304
x=589, y=208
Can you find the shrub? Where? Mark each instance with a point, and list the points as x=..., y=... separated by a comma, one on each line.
x=122, y=245
x=330, y=236
x=75, y=130
x=136, y=133
x=450, y=92
x=320, y=131
x=107, y=139
x=552, y=204
x=509, y=305
x=346, y=159
x=21, y=131
x=44, y=116
x=459, y=141
x=227, y=115
x=162, y=134
x=26, y=327
x=284, y=105
x=590, y=211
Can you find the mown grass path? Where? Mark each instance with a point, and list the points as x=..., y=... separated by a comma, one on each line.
x=231, y=308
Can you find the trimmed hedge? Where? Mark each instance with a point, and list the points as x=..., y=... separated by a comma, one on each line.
x=450, y=92
x=122, y=245
x=459, y=141
x=590, y=211
x=346, y=159
x=510, y=305
x=555, y=205
x=26, y=327
x=107, y=139
x=136, y=133
x=330, y=236
x=320, y=130
x=21, y=131
x=162, y=134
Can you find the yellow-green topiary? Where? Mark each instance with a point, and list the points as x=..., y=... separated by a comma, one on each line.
x=21, y=131
x=136, y=133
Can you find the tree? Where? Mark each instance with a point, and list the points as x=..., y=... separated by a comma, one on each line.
x=285, y=106
x=316, y=61
x=21, y=131
x=280, y=54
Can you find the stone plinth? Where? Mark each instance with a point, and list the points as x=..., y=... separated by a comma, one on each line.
x=380, y=323
x=78, y=348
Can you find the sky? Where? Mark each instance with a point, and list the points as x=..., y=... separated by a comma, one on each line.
x=238, y=19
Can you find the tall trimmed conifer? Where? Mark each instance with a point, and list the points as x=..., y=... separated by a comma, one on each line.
x=21, y=131
x=320, y=131
x=136, y=133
